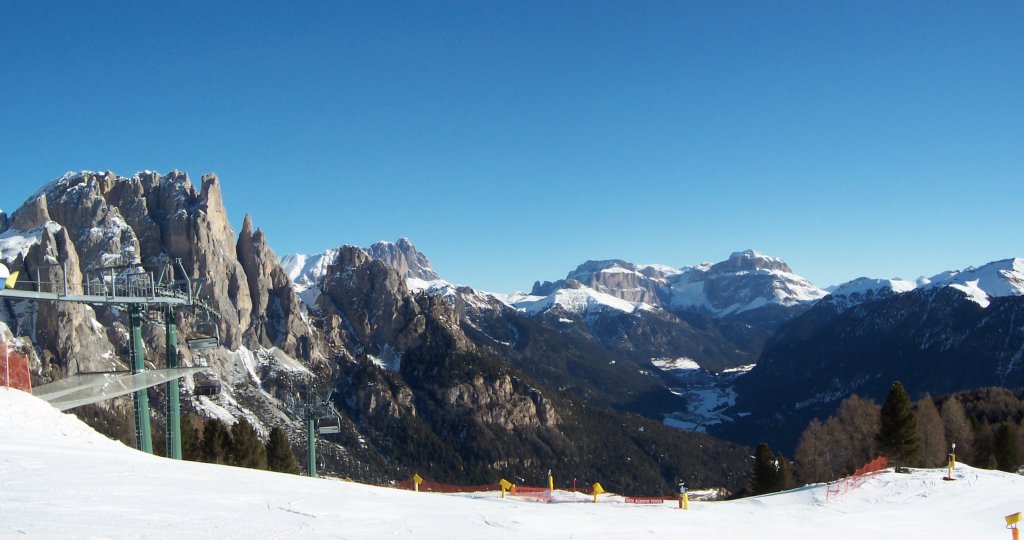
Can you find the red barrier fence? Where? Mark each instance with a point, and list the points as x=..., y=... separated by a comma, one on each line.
x=14, y=369
x=854, y=480
x=531, y=492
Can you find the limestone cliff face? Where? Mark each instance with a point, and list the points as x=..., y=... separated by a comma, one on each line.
x=373, y=301
x=276, y=316
x=86, y=220
x=409, y=349
x=503, y=402
x=403, y=257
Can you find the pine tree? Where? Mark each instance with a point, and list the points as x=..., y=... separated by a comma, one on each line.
x=190, y=438
x=1004, y=447
x=958, y=428
x=246, y=448
x=279, y=453
x=931, y=433
x=764, y=475
x=216, y=442
x=897, y=435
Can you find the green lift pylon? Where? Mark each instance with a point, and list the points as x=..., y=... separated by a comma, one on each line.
x=143, y=433
x=173, y=397
x=310, y=441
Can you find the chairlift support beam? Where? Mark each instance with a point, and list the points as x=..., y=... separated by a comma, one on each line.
x=173, y=389
x=310, y=442
x=143, y=431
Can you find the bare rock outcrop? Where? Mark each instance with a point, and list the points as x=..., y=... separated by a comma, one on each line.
x=276, y=317
x=403, y=256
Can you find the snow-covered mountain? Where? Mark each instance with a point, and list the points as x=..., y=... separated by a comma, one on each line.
x=746, y=281
x=306, y=271
x=992, y=280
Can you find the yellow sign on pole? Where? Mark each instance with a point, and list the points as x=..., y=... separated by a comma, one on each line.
x=597, y=490
x=416, y=480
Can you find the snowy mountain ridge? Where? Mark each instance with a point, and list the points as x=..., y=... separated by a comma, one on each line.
x=746, y=281
x=995, y=279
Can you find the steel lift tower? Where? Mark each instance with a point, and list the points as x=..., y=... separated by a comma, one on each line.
x=154, y=293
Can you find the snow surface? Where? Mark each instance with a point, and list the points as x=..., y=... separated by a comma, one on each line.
x=579, y=301
x=15, y=243
x=675, y=364
x=63, y=480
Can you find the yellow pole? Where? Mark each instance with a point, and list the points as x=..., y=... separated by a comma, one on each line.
x=686, y=501
x=551, y=481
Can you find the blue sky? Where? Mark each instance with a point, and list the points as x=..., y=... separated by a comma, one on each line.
x=512, y=141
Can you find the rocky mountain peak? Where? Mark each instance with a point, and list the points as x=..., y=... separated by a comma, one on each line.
x=33, y=214
x=403, y=256
x=750, y=261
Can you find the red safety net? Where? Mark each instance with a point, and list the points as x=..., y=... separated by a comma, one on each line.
x=14, y=369
x=853, y=481
x=437, y=487
x=531, y=492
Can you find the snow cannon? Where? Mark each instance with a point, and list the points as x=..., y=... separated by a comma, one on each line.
x=597, y=490
x=1011, y=523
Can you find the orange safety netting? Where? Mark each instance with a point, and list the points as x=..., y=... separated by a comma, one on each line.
x=853, y=481
x=14, y=369
x=437, y=487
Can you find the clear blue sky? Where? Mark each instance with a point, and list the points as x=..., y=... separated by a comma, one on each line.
x=511, y=141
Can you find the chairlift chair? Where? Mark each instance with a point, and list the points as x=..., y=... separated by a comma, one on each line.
x=328, y=425
x=210, y=339
x=206, y=385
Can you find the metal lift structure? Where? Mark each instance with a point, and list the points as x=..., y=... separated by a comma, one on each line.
x=155, y=293
x=320, y=418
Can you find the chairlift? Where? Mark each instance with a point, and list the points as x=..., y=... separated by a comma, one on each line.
x=209, y=331
x=206, y=385
x=328, y=425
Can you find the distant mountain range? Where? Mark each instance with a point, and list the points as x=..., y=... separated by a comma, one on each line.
x=418, y=367
x=811, y=346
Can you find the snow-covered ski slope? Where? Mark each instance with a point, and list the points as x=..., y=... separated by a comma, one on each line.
x=60, y=479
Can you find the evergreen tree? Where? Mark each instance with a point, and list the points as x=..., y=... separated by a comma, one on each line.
x=958, y=428
x=1004, y=447
x=216, y=442
x=279, y=453
x=190, y=438
x=982, y=441
x=246, y=448
x=897, y=434
x=932, y=434
x=764, y=475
